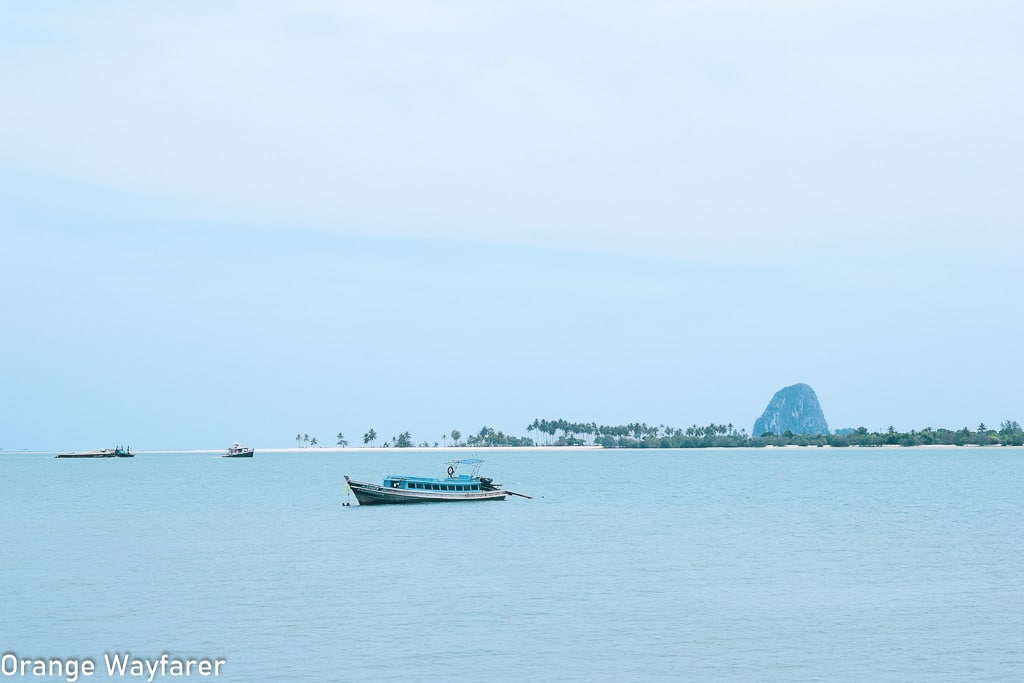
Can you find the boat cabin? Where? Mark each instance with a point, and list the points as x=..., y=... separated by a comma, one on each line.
x=461, y=483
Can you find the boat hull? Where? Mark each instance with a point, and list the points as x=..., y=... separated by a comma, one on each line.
x=372, y=494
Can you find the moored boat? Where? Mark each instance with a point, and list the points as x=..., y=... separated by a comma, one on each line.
x=238, y=451
x=104, y=453
x=453, y=488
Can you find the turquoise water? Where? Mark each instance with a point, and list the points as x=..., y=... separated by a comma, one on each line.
x=626, y=566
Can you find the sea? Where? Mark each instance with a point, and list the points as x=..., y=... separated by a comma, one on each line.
x=786, y=564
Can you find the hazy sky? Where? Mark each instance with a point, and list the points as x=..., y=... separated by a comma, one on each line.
x=227, y=221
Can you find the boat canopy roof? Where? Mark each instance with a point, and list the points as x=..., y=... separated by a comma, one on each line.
x=474, y=463
x=452, y=474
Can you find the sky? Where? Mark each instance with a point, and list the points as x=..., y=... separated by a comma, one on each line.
x=242, y=221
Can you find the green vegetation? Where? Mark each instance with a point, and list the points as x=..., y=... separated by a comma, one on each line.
x=489, y=437
x=642, y=435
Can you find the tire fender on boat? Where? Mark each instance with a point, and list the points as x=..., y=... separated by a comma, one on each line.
x=451, y=471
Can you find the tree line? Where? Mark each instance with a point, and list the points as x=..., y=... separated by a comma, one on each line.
x=487, y=436
x=641, y=435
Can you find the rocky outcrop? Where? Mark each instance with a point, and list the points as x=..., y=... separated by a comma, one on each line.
x=792, y=409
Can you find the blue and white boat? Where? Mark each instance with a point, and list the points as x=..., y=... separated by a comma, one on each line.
x=238, y=451
x=455, y=487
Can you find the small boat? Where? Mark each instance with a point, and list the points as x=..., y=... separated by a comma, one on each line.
x=104, y=453
x=455, y=487
x=238, y=451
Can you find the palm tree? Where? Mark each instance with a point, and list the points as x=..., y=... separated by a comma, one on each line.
x=312, y=442
x=456, y=435
x=298, y=439
x=341, y=440
x=369, y=437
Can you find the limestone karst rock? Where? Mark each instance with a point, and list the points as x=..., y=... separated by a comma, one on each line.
x=792, y=409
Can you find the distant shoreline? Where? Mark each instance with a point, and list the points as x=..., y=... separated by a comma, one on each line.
x=520, y=449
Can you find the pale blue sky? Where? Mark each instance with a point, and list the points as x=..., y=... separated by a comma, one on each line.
x=240, y=221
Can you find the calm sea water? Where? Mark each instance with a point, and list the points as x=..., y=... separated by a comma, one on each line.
x=626, y=566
